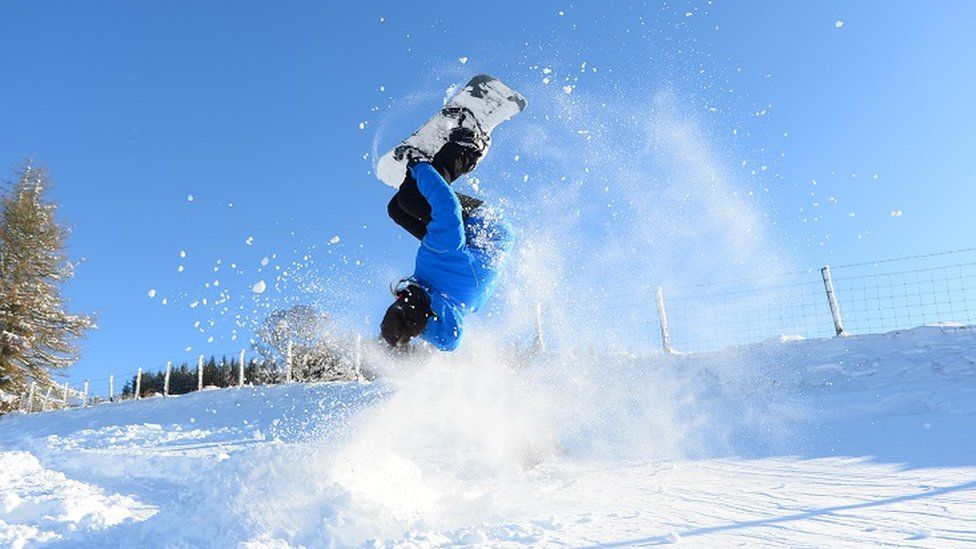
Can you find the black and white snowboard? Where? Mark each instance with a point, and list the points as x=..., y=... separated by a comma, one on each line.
x=483, y=103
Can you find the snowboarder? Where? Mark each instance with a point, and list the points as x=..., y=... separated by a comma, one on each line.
x=463, y=245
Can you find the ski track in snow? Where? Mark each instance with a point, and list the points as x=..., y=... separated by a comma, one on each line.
x=843, y=442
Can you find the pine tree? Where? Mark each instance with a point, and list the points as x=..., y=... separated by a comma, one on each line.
x=37, y=335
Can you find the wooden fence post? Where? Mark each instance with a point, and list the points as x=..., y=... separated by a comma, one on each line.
x=84, y=403
x=539, y=344
x=662, y=314
x=169, y=372
x=64, y=396
x=288, y=359
x=111, y=388
x=30, y=397
x=47, y=398
x=139, y=383
x=357, y=358
x=240, y=370
x=200, y=373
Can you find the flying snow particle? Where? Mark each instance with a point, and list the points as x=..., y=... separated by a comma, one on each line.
x=561, y=13
x=249, y=240
x=210, y=339
x=259, y=287
x=179, y=269
x=189, y=198
x=334, y=240
x=838, y=24
x=182, y=254
x=152, y=293
x=362, y=125
x=463, y=60
x=896, y=213
x=568, y=89
x=264, y=261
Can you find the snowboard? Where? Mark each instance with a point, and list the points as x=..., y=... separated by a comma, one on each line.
x=481, y=105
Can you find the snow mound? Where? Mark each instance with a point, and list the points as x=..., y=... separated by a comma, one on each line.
x=39, y=505
x=841, y=442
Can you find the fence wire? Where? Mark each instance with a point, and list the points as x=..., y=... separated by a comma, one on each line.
x=872, y=297
x=900, y=299
x=345, y=365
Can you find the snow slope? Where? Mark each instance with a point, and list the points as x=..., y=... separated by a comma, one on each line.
x=842, y=442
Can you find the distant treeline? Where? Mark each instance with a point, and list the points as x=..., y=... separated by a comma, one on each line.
x=223, y=373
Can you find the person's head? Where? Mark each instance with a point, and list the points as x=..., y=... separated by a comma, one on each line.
x=407, y=317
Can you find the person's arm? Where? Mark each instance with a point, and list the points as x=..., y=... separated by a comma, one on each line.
x=446, y=228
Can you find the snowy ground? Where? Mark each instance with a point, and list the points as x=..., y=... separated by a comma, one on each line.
x=856, y=441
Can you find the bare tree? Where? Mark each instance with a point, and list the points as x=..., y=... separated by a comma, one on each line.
x=317, y=353
x=37, y=334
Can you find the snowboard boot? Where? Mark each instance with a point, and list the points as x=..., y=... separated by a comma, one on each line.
x=461, y=154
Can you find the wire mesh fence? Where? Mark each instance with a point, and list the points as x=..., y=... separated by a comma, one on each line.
x=891, y=300
x=862, y=298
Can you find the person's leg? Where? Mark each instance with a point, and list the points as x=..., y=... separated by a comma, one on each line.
x=412, y=225
x=412, y=201
x=408, y=211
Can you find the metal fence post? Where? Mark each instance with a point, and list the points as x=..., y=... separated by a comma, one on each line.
x=200, y=373
x=662, y=314
x=84, y=403
x=240, y=370
x=288, y=359
x=169, y=371
x=832, y=300
x=139, y=383
x=30, y=397
x=111, y=387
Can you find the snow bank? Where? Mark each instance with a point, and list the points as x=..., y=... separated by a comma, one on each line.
x=839, y=442
x=38, y=504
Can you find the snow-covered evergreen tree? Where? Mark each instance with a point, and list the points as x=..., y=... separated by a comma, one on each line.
x=37, y=335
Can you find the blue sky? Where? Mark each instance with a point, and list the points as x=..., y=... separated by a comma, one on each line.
x=255, y=109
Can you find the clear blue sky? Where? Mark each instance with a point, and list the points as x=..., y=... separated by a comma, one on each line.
x=254, y=109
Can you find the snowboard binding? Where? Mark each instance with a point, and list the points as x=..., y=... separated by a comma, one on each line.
x=459, y=135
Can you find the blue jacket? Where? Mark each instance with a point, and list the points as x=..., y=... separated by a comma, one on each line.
x=459, y=259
